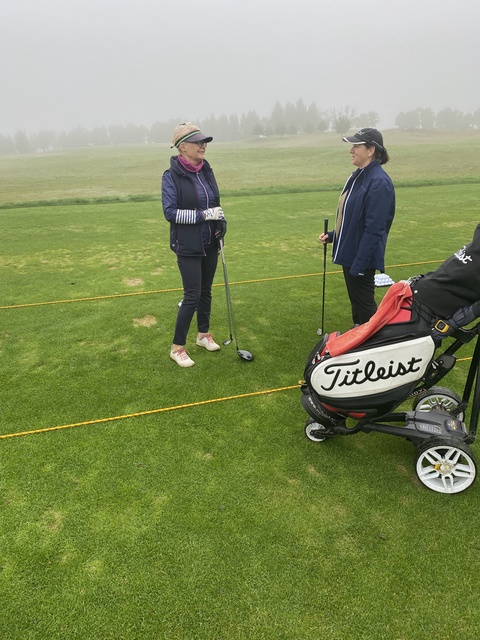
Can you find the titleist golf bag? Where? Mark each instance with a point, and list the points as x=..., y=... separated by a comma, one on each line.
x=356, y=381
x=376, y=376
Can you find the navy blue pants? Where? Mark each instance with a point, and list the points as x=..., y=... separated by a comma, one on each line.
x=361, y=291
x=197, y=278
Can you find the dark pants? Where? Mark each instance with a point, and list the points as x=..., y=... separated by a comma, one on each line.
x=197, y=277
x=361, y=291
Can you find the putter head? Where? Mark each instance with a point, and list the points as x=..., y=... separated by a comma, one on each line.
x=245, y=355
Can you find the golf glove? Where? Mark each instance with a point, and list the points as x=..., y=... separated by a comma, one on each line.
x=214, y=214
x=220, y=228
x=460, y=318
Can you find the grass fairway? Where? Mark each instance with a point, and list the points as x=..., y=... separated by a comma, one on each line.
x=315, y=162
x=146, y=502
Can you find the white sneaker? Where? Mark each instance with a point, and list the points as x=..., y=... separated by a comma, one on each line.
x=182, y=358
x=208, y=342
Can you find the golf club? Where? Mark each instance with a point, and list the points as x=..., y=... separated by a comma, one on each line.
x=227, y=296
x=325, y=230
x=245, y=355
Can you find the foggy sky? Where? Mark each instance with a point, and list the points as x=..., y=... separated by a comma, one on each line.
x=65, y=63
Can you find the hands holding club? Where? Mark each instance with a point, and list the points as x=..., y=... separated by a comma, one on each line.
x=220, y=228
x=323, y=237
x=217, y=216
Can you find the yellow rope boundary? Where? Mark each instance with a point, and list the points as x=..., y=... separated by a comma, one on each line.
x=190, y=404
x=146, y=413
x=150, y=412
x=219, y=284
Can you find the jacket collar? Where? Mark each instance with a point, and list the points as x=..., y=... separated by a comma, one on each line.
x=177, y=167
x=368, y=168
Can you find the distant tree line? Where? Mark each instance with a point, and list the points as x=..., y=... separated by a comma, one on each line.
x=284, y=120
x=427, y=120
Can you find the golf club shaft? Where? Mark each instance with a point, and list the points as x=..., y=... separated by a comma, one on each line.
x=227, y=290
x=231, y=319
x=325, y=230
x=245, y=355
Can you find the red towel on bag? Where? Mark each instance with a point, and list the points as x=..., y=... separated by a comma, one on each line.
x=389, y=307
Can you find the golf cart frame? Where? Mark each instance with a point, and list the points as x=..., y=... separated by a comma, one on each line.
x=444, y=461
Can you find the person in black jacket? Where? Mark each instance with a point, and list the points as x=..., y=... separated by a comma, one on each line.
x=191, y=203
x=364, y=216
x=451, y=293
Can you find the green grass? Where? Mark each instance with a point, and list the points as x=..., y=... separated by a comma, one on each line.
x=217, y=520
x=298, y=163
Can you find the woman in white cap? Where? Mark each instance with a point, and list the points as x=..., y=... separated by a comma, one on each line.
x=191, y=203
x=364, y=216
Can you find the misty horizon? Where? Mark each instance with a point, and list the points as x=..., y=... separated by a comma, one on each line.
x=357, y=121
x=100, y=63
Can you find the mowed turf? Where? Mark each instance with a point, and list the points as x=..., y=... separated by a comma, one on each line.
x=153, y=519
x=317, y=162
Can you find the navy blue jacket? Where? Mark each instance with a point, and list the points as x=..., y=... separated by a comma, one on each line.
x=185, y=195
x=368, y=213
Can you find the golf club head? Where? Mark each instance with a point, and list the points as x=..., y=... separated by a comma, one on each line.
x=319, y=331
x=227, y=341
x=180, y=304
x=244, y=355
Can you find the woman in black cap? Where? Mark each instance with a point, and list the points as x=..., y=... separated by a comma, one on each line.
x=364, y=216
x=191, y=203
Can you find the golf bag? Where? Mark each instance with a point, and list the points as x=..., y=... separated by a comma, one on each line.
x=372, y=378
x=356, y=381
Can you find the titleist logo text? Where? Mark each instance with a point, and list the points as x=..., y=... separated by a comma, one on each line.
x=343, y=377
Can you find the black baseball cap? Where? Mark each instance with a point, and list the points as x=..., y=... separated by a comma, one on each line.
x=369, y=136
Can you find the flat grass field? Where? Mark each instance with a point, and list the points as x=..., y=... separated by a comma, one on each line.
x=140, y=501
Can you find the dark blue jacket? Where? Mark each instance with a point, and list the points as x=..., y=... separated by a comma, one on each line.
x=368, y=213
x=185, y=195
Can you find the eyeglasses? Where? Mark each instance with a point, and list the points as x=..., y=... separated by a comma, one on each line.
x=201, y=143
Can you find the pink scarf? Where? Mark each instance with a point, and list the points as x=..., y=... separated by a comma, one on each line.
x=193, y=168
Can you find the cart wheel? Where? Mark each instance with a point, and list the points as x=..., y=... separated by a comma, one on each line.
x=311, y=430
x=445, y=465
x=438, y=398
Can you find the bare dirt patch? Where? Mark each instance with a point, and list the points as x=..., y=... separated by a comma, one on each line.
x=146, y=321
x=132, y=282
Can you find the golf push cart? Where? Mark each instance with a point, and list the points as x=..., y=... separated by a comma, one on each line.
x=367, y=383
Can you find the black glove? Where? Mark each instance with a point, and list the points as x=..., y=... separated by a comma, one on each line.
x=460, y=318
x=220, y=228
x=443, y=328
